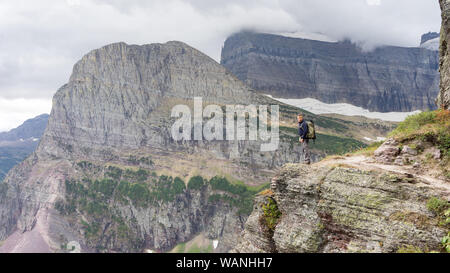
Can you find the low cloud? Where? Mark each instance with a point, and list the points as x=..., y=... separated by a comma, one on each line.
x=369, y=23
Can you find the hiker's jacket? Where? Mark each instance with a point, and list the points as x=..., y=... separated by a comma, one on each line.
x=303, y=129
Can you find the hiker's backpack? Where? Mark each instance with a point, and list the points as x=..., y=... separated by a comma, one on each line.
x=311, y=130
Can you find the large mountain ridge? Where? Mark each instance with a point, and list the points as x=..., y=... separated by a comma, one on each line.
x=386, y=79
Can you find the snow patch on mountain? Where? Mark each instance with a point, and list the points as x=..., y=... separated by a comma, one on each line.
x=317, y=107
x=432, y=44
x=377, y=139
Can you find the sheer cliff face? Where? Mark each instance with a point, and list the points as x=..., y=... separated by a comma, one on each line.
x=443, y=100
x=385, y=79
x=112, y=95
x=115, y=111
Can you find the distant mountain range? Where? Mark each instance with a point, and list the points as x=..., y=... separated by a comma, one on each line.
x=18, y=143
x=387, y=79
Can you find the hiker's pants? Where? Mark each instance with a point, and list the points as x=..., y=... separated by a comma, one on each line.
x=306, y=153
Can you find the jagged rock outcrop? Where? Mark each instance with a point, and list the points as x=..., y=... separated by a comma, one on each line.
x=388, y=151
x=332, y=207
x=443, y=99
x=395, y=198
x=386, y=79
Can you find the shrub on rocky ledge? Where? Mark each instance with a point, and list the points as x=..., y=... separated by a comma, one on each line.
x=195, y=183
x=441, y=209
x=271, y=214
x=433, y=126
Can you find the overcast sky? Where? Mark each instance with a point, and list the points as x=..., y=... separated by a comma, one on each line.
x=40, y=40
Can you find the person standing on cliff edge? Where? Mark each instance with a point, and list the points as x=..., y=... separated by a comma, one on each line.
x=303, y=132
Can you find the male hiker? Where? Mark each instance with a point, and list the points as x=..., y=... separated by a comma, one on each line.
x=303, y=132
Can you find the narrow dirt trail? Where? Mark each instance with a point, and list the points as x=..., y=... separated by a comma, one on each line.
x=368, y=163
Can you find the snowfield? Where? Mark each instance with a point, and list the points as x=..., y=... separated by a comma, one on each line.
x=431, y=44
x=317, y=107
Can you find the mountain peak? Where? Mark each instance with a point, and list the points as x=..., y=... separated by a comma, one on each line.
x=158, y=70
